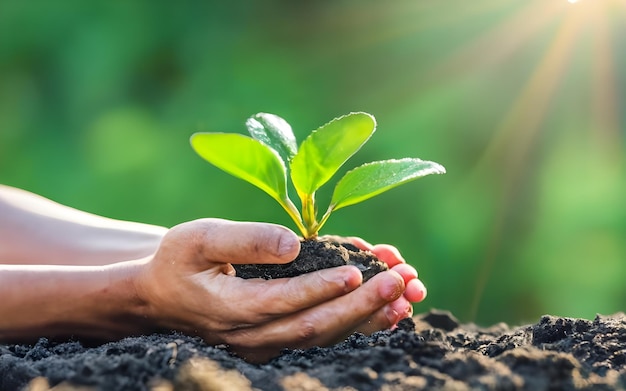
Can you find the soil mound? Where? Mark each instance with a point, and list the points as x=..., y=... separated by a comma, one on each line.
x=432, y=351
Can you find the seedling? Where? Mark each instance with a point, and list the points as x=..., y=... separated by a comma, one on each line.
x=265, y=159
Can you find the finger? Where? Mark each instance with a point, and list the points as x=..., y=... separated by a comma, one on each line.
x=387, y=317
x=326, y=323
x=407, y=271
x=388, y=254
x=217, y=240
x=415, y=291
x=282, y=297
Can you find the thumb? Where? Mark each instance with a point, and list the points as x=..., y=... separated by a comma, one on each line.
x=225, y=241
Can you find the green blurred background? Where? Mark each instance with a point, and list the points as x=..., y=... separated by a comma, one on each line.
x=521, y=100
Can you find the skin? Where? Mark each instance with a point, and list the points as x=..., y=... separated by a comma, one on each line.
x=107, y=279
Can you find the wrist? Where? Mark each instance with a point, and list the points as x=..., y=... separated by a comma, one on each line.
x=128, y=308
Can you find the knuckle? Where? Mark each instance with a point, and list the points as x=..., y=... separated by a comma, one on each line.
x=192, y=233
x=281, y=297
x=306, y=331
x=294, y=295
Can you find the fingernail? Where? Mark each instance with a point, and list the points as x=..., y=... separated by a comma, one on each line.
x=349, y=276
x=408, y=309
x=392, y=288
x=288, y=244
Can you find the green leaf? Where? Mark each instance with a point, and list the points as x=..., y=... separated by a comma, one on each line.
x=245, y=158
x=274, y=132
x=371, y=179
x=327, y=149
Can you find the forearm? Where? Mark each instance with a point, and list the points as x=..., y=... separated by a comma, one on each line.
x=35, y=230
x=62, y=301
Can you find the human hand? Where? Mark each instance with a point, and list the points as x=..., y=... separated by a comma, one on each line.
x=189, y=285
x=414, y=291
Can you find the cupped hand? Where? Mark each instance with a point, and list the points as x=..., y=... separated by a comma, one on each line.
x=189, y=285
x=414, y=291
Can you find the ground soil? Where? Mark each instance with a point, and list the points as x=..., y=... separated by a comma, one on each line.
x=431, y=351
x=318, y=254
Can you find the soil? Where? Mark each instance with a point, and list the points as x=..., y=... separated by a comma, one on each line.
x=315, y=255
x=431, y=351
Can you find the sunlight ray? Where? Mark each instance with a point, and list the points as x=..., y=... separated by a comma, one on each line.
x=494, y=50
x=491, y=48
x=515, y=135
x=604, y=87
x=427, y=18
x=525, y=117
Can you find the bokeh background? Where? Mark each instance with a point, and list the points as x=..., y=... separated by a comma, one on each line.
x=523, y=101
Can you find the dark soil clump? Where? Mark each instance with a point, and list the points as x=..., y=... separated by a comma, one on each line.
x=316, y=255
x=432, y=351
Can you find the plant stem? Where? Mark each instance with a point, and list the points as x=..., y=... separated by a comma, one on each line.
x=308, y=215
x=293, y=212
x=324, y=217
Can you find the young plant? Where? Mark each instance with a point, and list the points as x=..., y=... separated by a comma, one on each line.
x=265, y=159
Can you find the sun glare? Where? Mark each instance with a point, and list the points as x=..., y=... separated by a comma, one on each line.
x=581, y=44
